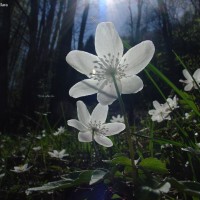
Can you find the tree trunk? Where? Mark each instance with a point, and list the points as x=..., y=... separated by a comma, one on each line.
x=83, y=24
x=137, y=30
x=29, y=88
x=5, y=13
x=62, y=72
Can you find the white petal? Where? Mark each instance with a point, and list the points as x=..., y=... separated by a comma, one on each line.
x=107, y=95
x=151, y=112
x=114, y=128
x=84, y=88
x=83, y=113
x=131, y=84
x=156, y=105
x=85, y=137
x=103, y=140
x=188, y=87
x=51, y=154
x=81, y=61
x=62, y=152
x=138, y=57
x=187, y=75
x=107, y=41
x=99, y=113
x=76, y=124
x=197, y=75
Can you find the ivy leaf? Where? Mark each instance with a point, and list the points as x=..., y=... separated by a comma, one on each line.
x=154, y=165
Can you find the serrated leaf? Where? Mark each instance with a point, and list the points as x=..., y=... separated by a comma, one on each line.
x=97, y=175
x=154, y=165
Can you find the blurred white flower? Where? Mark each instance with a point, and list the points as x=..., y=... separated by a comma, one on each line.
x=59, y=131
x=187, y=163
x=187, y=115
x=21, y=168
x=160, y=113
x=172, y=103
x=2, y=175
x=37, y=148
x=190, y=83
x=198, y=145
x=58, y=154
x=93, y=127
x=108, y=64
x=117, y=119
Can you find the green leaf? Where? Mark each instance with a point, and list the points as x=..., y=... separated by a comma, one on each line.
x=84, y=177
x=154, y=165
x=115, y=196
x=97, y=175
x=191, y=188
x=121, y=160
x=53, y=185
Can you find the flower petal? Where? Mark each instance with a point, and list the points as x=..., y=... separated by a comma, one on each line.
x=85, y=136
x=76, y=124
x=81, y=61
x=103, y=140
x=114, y=128
x=156, y=105
x=83, y=113
x=187, y=75
x=131, y=84
x=138, y=57
x=107, y=41
x=196, y=75
x=107, y=95
x=188, y=87
x=99, y=113
x=84, y=88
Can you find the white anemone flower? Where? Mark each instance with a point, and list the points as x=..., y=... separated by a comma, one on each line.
x=58, y=154
x=172, y=103
x=60, y=131
x=108, y=64
x=21, y=168
x=38, y=148
x=117, y=119
x=93, y=127
x=160, y=113
x=190, y=83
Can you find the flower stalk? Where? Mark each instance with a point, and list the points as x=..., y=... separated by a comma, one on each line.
x=128, y=131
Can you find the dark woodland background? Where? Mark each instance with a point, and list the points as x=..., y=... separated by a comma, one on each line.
x=36, y=36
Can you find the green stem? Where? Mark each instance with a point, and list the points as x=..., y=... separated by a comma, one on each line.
x=128, y=131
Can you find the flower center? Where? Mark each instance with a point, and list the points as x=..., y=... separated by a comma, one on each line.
x=97, y=128
x=107, y=67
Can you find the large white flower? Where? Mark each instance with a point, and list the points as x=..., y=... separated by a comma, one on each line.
x=93, y=127
x=109, y=62
x=190, y=83
x=160, y=113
